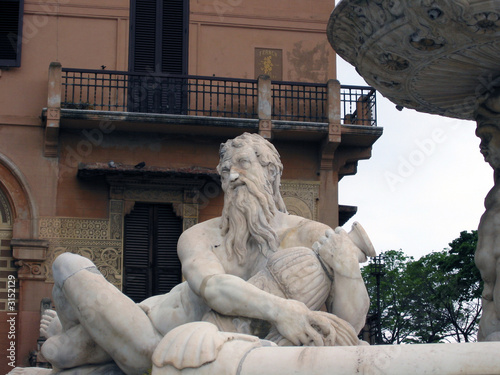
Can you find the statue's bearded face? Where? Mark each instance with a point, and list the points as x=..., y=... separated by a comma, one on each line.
x=490, y=144
x=249, y=205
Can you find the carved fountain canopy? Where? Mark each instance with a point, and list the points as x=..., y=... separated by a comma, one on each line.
x=435, y=56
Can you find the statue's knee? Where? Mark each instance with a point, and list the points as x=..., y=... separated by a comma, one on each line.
x=68, y=264
x=51, y=351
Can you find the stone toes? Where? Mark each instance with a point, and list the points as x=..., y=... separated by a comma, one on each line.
x=45, y=322
x=316, y=246
x=49, y=315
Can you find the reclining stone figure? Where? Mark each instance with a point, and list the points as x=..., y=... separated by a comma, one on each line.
x=256, y=270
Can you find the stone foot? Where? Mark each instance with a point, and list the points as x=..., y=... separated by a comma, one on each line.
x=106, y=369
x=30, y=371
x=50, y=325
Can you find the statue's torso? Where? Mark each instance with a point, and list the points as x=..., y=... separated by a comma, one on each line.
x=488, y=246
x=289, y=230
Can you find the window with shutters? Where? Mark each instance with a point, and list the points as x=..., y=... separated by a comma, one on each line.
x=158, y=45
x=151, y=265
x=11, y=26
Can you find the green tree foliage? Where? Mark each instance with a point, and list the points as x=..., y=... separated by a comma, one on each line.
x=433, y=299
x=394, y=295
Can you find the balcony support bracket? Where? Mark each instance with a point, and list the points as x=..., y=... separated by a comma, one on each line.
x=51, y=135
x=53, y=114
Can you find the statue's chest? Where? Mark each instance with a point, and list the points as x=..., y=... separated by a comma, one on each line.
x=492, y=200
x=251, y=263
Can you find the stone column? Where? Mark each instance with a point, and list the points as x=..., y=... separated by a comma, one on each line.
x=265, y=106
x=328, y=191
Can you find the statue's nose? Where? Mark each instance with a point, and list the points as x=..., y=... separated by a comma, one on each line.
x=233, y=176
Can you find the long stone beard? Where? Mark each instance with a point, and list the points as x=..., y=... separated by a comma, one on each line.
x=248, y=211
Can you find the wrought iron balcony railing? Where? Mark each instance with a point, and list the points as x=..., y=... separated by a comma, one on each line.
x=106, y=90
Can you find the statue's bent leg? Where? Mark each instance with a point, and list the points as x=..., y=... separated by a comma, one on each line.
x=68, y=345
x=111, y=319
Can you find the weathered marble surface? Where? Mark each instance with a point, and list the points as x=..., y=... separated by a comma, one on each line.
x=433, y=359
x=256, y=270
x=241, y=356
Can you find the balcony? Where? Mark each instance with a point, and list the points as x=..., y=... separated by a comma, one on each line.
x=77, y=96
x=209, y=96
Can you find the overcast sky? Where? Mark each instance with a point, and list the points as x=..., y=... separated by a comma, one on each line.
x=425, y=182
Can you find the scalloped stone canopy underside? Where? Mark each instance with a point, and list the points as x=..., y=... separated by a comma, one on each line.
x=434, y=56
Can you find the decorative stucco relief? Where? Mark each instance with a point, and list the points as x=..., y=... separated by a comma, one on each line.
x=5, y=234
x=106, y=255
x=57, y=227
x=301, y=198
x=116, y=211
x=100, y=240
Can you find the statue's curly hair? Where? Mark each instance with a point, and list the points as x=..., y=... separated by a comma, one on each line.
x=487, y=106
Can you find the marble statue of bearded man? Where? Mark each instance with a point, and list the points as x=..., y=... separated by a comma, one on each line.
x=256, y=269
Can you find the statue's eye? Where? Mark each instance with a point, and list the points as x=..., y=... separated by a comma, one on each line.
x=245, y=163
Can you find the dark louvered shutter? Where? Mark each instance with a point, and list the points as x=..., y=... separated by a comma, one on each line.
x=159, y=36
x=11, y=25
x=158, y=45
x=151, y=264
x=143, y=33
x=167, y=264
x=137, y=283
x=174, y=37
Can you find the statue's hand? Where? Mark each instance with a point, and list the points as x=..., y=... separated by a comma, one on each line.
x=298, y=324
x=339, y=253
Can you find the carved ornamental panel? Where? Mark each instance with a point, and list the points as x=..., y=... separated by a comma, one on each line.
x=301, y=198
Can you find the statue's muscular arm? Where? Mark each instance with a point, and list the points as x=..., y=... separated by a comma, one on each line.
x=301, y=232
x=231, y=295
